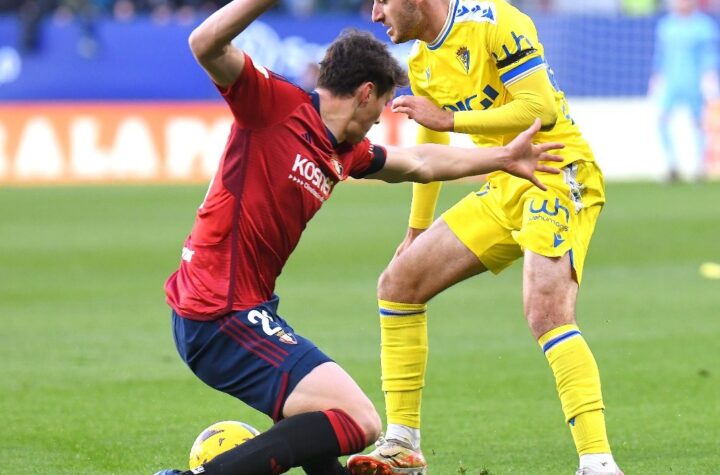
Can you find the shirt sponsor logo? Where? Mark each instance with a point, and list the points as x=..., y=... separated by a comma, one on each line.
x=489, y=94
x=307, y=174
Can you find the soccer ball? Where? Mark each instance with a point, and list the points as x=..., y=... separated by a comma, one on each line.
x=218, y=438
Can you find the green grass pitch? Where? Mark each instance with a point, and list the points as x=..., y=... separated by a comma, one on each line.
x=90, y=382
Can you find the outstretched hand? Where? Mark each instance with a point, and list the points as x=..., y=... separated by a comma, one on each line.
x=524, y=157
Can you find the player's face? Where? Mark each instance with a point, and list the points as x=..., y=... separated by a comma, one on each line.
x=401, y=17
x=367, y=115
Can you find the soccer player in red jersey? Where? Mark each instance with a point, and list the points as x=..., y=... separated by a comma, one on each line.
x=286, y=151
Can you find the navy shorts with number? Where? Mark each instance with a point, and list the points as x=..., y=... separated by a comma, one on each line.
x=253, y=355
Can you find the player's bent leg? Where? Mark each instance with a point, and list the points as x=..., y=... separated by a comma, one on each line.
x=326, y=415
x=329, y=387
x=549, y=295
x=435, y=261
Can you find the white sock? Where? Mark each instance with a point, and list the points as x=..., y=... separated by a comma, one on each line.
x=601, y=463
x=409, y=435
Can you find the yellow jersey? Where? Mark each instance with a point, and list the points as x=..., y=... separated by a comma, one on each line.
x=483, y=48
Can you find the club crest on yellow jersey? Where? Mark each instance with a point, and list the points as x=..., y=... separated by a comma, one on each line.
x=463, y=55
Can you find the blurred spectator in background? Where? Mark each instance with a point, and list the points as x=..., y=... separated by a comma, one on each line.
x=85, y=13
x=685, y=73
x=33, y=12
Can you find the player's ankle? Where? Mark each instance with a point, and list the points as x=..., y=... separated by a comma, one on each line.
x=406, y=434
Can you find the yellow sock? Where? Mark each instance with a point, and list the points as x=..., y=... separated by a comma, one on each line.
x=403, y=356
x=578, y=384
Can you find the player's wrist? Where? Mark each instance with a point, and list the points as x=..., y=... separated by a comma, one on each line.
x=504, y=157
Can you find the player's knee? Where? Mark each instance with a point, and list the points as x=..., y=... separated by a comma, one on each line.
x=385, y=284
x=397, y=286
x=542, y=318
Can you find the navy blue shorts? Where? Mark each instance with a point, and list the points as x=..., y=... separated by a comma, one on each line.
x=253, y=355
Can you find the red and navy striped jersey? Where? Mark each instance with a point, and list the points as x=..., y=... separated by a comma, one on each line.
x=279, y=166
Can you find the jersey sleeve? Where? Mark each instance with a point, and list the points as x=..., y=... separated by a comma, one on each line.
x=514, y=45
x=367, y=158
x=259, y=97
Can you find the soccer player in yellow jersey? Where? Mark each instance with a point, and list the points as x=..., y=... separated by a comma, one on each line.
x=478, y=68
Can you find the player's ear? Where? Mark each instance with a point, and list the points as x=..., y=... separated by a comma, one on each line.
x=364, y=92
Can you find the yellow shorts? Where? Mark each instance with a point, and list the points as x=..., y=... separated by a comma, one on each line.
x=509, y=215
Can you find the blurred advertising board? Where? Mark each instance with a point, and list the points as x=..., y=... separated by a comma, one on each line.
x=87, y=142
x=182, y=141
x=126, y=142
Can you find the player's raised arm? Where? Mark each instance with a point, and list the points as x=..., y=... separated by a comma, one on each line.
x=532, y=97
x=431, y=162
x=211, y=41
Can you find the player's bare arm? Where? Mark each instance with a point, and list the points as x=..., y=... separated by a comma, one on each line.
x=533, y=97
x=211, y=41
x=431, y=162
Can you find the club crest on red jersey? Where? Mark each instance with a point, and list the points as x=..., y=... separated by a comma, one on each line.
x=337, y=165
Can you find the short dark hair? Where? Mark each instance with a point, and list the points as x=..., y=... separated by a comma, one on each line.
x=356, y=57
